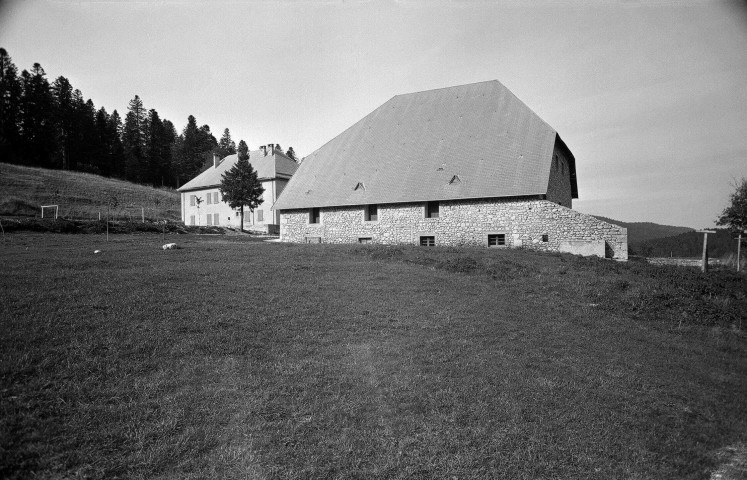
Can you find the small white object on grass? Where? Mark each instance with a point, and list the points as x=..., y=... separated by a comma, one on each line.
x=96, y=251
x=169, y=246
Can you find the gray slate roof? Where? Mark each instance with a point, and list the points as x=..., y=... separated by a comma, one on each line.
x=267, y=167
x=412, y=147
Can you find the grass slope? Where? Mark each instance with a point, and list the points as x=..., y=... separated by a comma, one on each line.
x=235, y=359
x=81, y=195
x=643, y=231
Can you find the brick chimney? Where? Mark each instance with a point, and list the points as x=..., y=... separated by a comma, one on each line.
x=272, y=148
x=216, y=160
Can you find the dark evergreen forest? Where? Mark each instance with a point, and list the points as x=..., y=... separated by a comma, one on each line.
x=51, y=125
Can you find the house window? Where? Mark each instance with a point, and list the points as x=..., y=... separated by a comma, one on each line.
x=192, y=218
x=216, y=220
x=209, y=219
x=427, y=241
x=497, y=240
x=313, y=239
x=365, y=240
x=314, y=215
x=209, y=198
x=260, y=216
x=372, y=213
x=545, y=238
x=192, y=201
x=431, y=210
x=215, y=197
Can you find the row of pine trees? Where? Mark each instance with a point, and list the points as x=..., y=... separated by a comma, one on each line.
x=50, y=125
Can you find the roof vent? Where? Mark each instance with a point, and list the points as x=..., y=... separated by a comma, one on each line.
x=360, y=186
x=455, y=180
x=440, y=169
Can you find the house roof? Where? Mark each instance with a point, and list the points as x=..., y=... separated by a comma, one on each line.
x=470, y=141
x=267, y=167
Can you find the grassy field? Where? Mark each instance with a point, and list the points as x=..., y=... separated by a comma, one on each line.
x=234, y=358
x=81, y=195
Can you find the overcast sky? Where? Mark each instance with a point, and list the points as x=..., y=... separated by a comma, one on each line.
x=651, y=97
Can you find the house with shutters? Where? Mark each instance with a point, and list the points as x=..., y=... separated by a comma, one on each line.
x=465, y=165
x=201, y=200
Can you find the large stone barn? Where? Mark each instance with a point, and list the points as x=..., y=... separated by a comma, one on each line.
x=466, y=165
x=202, y=203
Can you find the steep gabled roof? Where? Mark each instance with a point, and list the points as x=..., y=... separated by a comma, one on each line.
x=411, y=148
x=267, y=167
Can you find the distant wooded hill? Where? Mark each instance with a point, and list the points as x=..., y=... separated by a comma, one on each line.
x=654, y=240
x=639, y=232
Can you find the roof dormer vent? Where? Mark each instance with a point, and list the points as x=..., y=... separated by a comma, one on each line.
x=360, y=186
x=455, y=180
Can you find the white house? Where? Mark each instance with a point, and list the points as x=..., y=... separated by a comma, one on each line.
x=201, y=199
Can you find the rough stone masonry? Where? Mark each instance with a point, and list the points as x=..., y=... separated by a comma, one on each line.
x=535, y=224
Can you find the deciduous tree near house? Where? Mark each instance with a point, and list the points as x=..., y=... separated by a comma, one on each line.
x=735, y=215
x=240, y=186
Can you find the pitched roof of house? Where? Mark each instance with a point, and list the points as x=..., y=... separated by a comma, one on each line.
x=267, y=167
x=470, y=141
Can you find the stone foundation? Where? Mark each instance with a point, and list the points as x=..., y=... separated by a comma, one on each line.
x=535, y=224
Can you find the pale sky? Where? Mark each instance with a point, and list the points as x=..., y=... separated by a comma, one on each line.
x=650, y=96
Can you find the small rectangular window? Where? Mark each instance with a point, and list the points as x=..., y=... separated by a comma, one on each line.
x=427, y=241
x=431, y=210
x=216, y=219
x=260, y=216
x=313, y=239
x=497, y=240
x=364, y=240
x=215, y=198
x=209, y=219
x=209, y=198
x=192, y=201
x=191, y=219
x=314, y=215
x=545, y=238
x=372, y=213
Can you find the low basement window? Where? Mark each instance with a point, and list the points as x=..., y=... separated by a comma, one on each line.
x=312, y=239
x=365, y=240
x=427, y=241
x=497, y=240
x=545, y=238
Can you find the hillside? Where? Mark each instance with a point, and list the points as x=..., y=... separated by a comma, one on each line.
x=643, y=231
x=81, y=195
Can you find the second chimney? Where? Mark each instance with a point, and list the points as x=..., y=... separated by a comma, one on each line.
x=216, y=160
x=264, y=149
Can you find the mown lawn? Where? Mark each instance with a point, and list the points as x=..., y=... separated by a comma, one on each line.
x=237, y=359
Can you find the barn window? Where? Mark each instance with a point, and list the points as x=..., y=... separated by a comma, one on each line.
x=314, y=215
x=215, y=197
x=209, y=219
x=431, y=210
x=427, y=241
x=372, y=213
x=497, y=240
x=365, y=240
x=192, y=200
x=192, y=218
x=216, y=220
x=260, y=216
x=209, y=198
x=545, y=238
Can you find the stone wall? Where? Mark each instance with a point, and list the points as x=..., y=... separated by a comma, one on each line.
x=535, y=224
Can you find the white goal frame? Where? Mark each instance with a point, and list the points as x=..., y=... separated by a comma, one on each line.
x=56, y=209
